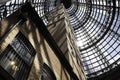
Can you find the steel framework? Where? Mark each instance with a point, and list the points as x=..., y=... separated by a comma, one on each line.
x=96, y=25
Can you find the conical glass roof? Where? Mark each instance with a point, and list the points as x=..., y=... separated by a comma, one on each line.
x=96, y=25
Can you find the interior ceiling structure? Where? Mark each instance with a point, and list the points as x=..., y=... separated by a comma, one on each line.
x=96, y=25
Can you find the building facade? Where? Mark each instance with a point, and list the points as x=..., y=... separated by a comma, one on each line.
x=29, y=50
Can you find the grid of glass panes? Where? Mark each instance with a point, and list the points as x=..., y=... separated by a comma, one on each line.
x=96, y=25
x=99, y=37
x=41, y=6
x=10, y=6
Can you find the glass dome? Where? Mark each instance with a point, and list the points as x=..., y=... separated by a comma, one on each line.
x=96, y=25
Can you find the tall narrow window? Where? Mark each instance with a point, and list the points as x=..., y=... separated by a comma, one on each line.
x=17, y=58
x=47, y=73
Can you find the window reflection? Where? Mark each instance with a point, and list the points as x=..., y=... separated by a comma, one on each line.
x=16, y=59
x=21, y=49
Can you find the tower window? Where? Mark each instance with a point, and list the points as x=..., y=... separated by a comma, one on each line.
x=47, y=73
x=17, y=58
